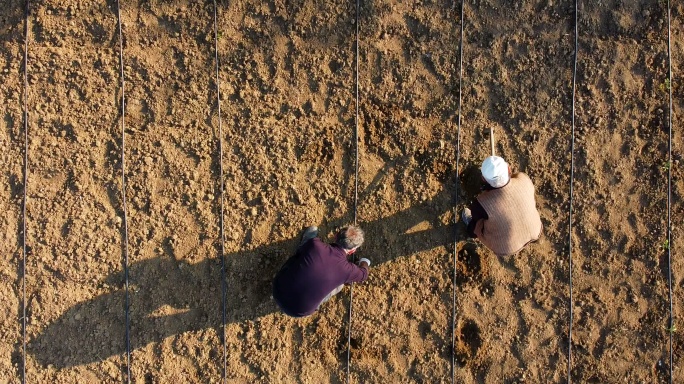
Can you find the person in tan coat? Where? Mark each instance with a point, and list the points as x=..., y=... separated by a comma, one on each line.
x=504, y=216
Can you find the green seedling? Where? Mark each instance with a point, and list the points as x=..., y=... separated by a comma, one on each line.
x=672, y=329
x=666, y=245
x=666, y=166
x=664, y=86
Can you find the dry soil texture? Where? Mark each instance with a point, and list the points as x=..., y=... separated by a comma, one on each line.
x=287, y=97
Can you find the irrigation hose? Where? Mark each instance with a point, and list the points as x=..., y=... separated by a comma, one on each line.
x=123, y=195
x=23, y=204
x=669, y=183
x=456, y=200
x=356, y=185
x=224, y=288
x=572, y=178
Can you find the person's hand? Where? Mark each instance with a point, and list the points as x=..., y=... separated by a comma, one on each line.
x=364, y=263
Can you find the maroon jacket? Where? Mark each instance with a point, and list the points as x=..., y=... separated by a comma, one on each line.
x=311, y=274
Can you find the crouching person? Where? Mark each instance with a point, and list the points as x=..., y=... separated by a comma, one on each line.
x=318, y=271
x=504, y=217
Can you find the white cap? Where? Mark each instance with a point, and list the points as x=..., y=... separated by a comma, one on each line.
x=366, y=260
x=495, y=171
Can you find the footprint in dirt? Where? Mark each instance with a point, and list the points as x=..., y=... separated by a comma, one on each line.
x=356, y=342
x=471, y=182
x=467, y=342
x=356, y=345
x=472, y=265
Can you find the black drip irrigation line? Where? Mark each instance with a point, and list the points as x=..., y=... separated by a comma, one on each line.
x=123, y=194
x=456, y=202
x=23, y=204
x=356, y=185
x=572, y=178
x=356, y=120
x=224, y=288
x=669, y=182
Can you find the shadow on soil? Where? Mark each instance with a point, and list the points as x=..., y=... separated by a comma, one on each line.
x=171, y=297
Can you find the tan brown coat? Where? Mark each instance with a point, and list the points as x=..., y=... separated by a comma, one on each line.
x=513, y=218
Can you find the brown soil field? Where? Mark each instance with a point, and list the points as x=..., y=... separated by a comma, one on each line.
x=287, y=78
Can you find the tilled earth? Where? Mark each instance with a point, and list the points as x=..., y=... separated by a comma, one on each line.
x=287, y=82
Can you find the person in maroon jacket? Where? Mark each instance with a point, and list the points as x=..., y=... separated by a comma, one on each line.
x=318, y=270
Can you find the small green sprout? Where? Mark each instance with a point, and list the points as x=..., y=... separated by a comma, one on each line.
x=666, y=244
x=664, y=86
x=672, y=329
x=666, y=165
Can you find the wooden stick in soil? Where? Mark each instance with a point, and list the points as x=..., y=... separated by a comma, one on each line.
x=491, y=139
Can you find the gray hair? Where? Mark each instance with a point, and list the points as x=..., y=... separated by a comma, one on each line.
x=350, y=237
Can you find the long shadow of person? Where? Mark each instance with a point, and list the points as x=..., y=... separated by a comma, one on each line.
x=168, y=297
x=179, y=297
